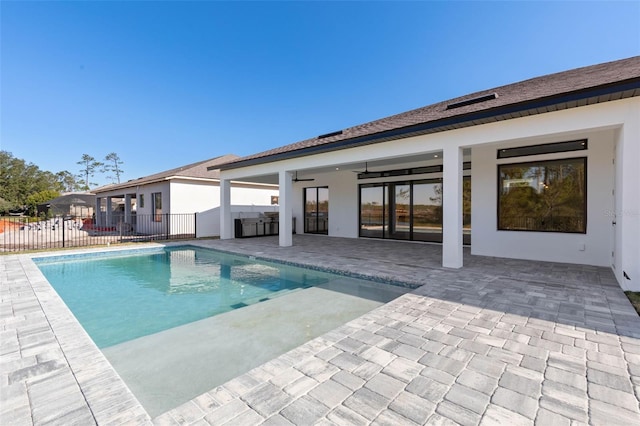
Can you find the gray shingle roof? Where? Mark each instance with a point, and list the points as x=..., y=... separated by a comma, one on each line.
x=577, y=87
x=73, y=198
x=195, y=170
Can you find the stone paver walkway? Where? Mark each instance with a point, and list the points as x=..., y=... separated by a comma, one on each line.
x=51, y=372
x=497, y=342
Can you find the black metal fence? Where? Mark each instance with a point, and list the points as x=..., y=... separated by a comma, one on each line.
x=21, y=233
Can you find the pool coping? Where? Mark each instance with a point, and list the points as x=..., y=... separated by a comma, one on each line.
x=107, y=396
x=345, y=273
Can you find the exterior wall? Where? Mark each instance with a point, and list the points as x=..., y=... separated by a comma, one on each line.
x=592, y=248
x=248, y=196
x=147, y=226
x=626, y=211
x=147, y=190
x=192, y=197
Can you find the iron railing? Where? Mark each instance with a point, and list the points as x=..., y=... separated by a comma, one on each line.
x=21, y=233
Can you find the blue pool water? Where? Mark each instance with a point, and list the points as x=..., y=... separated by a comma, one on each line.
x=120, y=297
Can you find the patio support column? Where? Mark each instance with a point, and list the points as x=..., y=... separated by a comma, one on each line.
x=452, y=207
x=96, y=211
x=285, y=210
x=627, y=204
x=226, y=224
x=127, y=208
x=108, y=213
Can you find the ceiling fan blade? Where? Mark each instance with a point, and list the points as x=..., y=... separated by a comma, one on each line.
x=295, y=179
x=366, y=169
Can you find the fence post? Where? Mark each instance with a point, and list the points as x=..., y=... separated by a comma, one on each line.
x=63, y=232
x=195, y=225
x=167, y=217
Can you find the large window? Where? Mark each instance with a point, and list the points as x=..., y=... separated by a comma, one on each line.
x=543, y=196
x=316, y=210
x=156, y=200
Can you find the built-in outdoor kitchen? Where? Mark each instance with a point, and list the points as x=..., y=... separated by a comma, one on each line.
x=264, y=224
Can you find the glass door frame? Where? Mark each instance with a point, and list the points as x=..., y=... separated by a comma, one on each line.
x=389, y=210
x=319, y=219
x=384, y=219
x=392, y=197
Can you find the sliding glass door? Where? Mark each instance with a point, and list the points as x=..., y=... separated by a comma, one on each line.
x=372, y=211
x=427, y=211
x=408, y=210
x=316, y=210
x=400, y=211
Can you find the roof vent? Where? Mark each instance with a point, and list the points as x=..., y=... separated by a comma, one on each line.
x=472, y=101
x=328, y=135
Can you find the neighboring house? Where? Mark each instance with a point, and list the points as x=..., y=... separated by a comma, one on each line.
x=171, y=199
x=544, y=169
x=75, y=204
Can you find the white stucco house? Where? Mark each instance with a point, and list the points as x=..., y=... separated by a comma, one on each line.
x=544, y=169
x=185, y=200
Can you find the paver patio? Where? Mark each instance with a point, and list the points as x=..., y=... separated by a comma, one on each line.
x=497, y=342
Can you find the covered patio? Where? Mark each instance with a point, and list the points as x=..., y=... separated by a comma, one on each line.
x=536, y=170
x=530, y=287
x=500, y=340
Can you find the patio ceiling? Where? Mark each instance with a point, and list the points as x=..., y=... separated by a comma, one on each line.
x=371, y=164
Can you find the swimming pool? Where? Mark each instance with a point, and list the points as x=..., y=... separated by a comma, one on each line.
x=196, y=318
x=124, y=296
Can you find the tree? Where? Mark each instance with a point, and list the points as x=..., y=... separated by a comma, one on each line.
x=5, y=206
x=112, y=165
x=39, y=198
x=19, y=179
x=89, y=167
x=68, y=181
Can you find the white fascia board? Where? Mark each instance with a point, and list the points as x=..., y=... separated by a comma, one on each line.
x=256, y=185
x=234, y=183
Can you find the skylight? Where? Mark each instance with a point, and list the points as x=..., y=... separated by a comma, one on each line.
x=472, y=101
x=328, y=135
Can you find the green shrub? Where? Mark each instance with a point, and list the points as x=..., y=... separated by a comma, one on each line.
x=634, y=298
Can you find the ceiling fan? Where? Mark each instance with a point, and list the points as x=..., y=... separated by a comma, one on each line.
x=366, y=169
x=295, y=179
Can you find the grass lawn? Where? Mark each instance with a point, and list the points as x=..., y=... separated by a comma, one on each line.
x=634, y=297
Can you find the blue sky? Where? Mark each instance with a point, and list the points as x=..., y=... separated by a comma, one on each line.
x=164, y=84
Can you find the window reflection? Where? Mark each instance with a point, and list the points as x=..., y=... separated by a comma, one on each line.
x=408, y=210
x=316, y=210
x=543, y=196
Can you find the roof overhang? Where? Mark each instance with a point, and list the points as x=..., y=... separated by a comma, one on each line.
x=589, y=96
x=134, y=184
